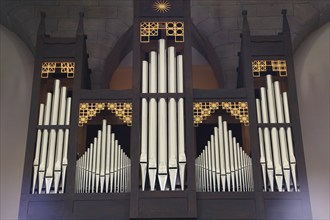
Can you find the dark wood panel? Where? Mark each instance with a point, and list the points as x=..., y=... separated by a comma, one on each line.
x=101, y=209
x=226, y=209
x=46, y=209
x=283, y=209
x=163, y=207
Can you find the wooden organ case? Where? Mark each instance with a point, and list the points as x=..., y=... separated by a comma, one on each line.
x=165, y=150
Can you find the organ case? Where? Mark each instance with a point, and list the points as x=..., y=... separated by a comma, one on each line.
x=165, y=149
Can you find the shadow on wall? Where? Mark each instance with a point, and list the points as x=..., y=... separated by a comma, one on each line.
x=312, y=60
x=16, y=82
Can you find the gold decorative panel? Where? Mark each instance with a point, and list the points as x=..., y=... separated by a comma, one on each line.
x=151, y=29
x=161, y=6
x=202, y=110
x=259, y=66
x=239, y=110
x=123, y=111
x=64, y=67
x=89, y=110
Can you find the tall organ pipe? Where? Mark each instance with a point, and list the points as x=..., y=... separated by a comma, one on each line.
x=44, y=144
x=181, y=133
x=152, y=157
x=261, y=145
x=162, y=116
x=290, y=141
x=172, y=118
x=144, y=125
x=37, y=151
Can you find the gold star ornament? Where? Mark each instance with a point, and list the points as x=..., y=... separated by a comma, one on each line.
x=161, y=6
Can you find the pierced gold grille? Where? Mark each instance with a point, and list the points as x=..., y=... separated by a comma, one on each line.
x=89, y=110
x=151, y=29
x=202, y=110
x=64, y=67
x=239, y=110
x=123, y=111
x=259, y=66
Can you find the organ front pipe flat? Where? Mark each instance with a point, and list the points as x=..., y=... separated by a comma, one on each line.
x=115, y=168
x=282, y=135
x=208, y=165
x=162, y=143
x=261, y=145
x=98, y=158
x=181, y=134
x=290, y=141
x=107, y=165
x=94, y=164
x=37, y=151
x=91, y=152
x=172, y=119
x=217, y=157
x=52, y=141
x=152, y=141
x=162, y=116
x=44, y=143
x=103, y=154
x=274, y=133
x=60, y=141
x=226, y=146
x=231, y=158
x=268, y=147
x=235, y=162
x=66, y=142
x=213, y=163
x=222, y=154
x=112, y=164
x=172, y=160
x=144, y=126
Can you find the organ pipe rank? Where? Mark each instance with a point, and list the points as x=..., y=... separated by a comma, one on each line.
x=51, y=152
x=276, y=144
x=162, y=131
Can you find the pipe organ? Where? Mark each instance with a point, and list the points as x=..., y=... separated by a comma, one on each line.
x=164, y=149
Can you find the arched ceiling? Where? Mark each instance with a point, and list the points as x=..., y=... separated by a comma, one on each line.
x=218, y=21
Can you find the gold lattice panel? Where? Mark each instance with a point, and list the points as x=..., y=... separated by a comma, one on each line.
x=151, y=29
x=89, y=110
x=239, y=110
x=202, y=110
x=51, y=67
x=123, y=111
x=259, y=66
